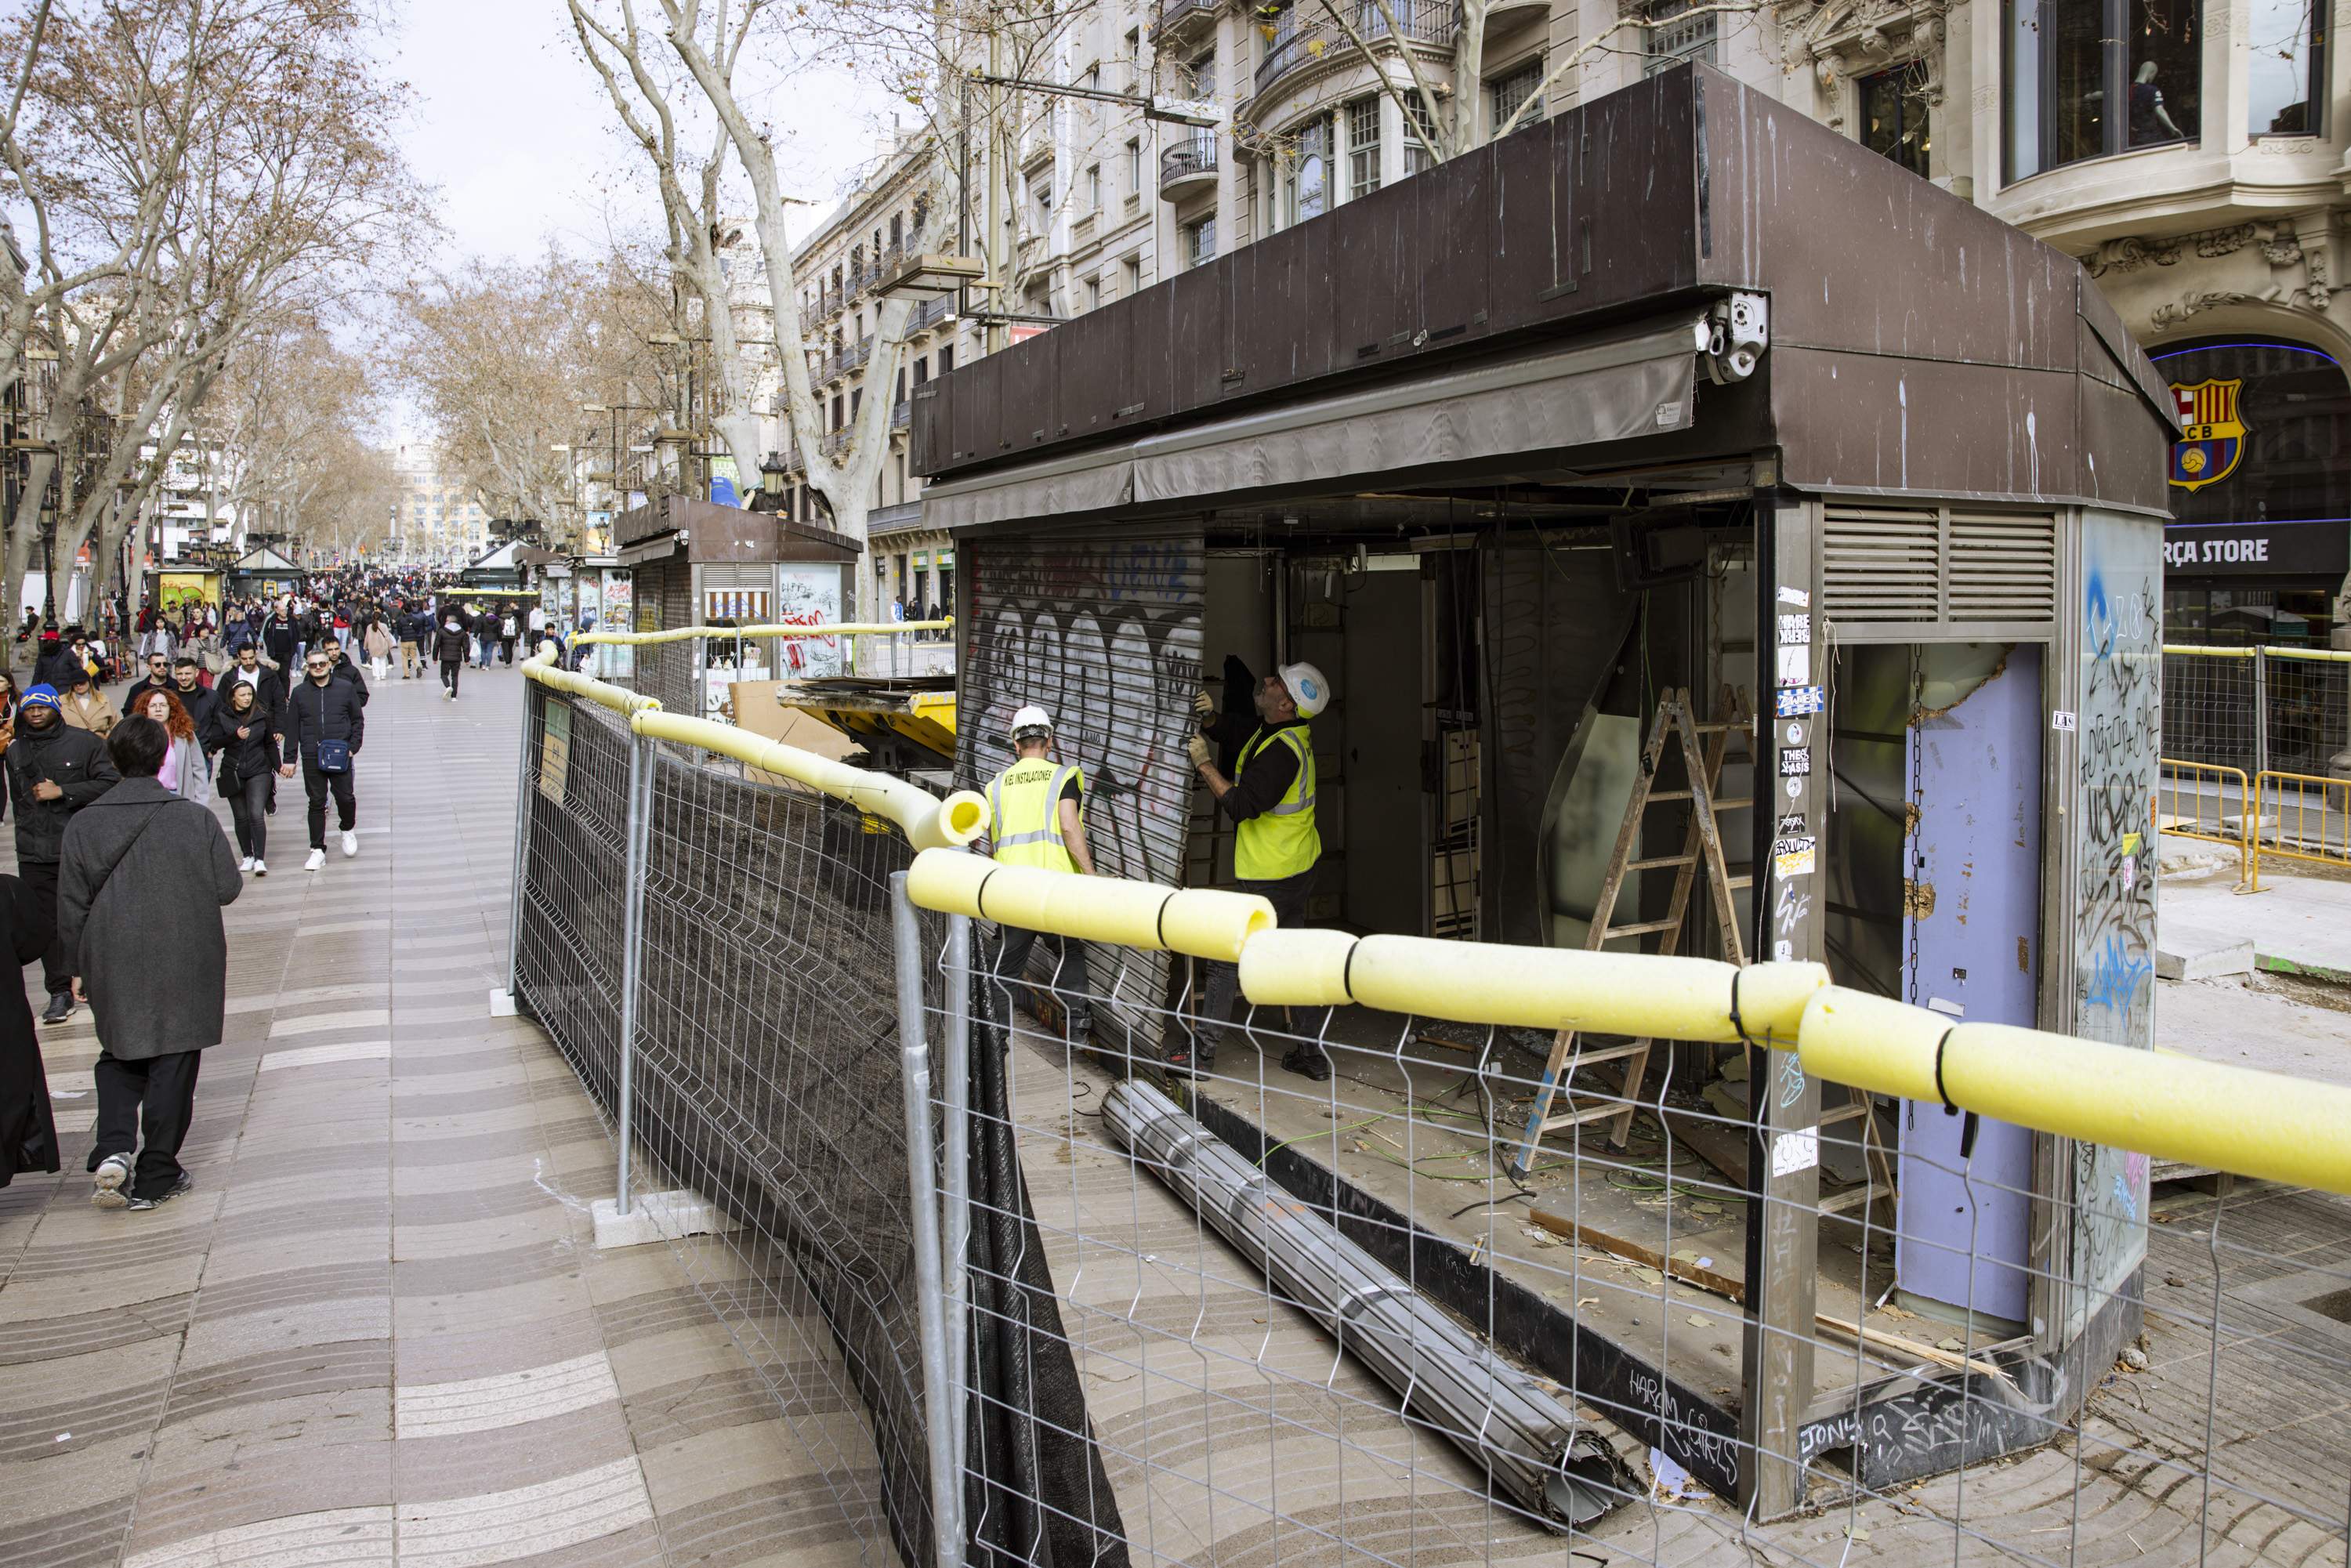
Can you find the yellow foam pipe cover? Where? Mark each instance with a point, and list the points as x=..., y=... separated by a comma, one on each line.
x=1533, y=988
x=541, y=667
x=687, y=633
x=927, y=822
x=2205, y=1114
x=1205, y=923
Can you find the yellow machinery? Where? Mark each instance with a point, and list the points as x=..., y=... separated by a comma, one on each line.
x=906, y=723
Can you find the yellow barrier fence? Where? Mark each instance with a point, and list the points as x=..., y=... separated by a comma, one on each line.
x=2200, y=800
x=2299, y=817
x=748, y=633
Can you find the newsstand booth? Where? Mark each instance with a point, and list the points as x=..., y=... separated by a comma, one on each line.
x=1675, y=390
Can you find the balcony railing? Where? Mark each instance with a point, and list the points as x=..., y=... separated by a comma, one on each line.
x=902, y=413
x=1186, y=164
x=1308, y=40
x=1174, y=13
x=929, y=314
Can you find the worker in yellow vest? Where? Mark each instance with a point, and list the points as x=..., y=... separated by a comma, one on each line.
x=1037, y=814
x=1270, y=801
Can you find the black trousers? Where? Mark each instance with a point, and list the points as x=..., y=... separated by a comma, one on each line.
x=156, y=1097
x=1069, y=982
x=347, y=805
x=449, y=668
x=56, y=964
x=249, y=805
x=1287, y=897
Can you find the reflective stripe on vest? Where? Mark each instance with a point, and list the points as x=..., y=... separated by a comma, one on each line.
x=1280, y=842
x=1024, y=803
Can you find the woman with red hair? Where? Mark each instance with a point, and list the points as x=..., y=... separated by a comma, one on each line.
x=187, y=771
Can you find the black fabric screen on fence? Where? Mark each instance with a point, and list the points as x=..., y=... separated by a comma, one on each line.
x=767, y=1079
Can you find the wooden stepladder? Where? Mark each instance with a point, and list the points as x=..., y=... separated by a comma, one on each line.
x=1702, y=761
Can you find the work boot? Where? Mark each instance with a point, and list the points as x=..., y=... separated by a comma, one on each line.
x=1192, y=1060
x=1308, y=1062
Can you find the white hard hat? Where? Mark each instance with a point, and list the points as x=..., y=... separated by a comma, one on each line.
x=1031, y=717
x=1307, y=687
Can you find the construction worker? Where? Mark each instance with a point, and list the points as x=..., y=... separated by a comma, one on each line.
x=1038, y=811
x=1270, y=801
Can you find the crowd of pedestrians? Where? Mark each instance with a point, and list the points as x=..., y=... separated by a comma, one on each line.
x=122, y=868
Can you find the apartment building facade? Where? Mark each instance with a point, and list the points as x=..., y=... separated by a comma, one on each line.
x=2193, y=155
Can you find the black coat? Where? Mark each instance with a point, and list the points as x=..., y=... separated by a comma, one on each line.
x=246, y=758
x=450, y=646
x=313, y=713
x=135, y=690
x=76, y=760
x=348, y=670
x=140, y=891
x=28, y=1132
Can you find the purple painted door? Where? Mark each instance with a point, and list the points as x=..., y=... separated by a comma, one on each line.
x=1973, y=928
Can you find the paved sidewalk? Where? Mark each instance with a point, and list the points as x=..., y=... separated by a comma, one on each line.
x=378, y=1329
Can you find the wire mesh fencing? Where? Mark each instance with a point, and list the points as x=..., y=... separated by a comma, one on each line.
x=1324, y=1320
x=1025, y=1295
x=2258, y=709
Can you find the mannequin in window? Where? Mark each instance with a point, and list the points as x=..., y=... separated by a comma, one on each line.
x=2150, y=121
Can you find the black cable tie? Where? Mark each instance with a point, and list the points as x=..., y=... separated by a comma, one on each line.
x=1159, y=926
x=1347, y=970
x=1940, y=1092
x=980, y=893
x=1739, y=1024
x=1967, y=1135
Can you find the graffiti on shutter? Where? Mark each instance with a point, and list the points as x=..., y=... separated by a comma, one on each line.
x=1103, y=633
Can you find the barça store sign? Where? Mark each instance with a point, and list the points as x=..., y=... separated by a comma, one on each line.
x=2259, y=478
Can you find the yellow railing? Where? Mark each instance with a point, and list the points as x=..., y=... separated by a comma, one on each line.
x=754, y=633
x=2184, y=810
x=2210, y=1114
x=2299, y=817
x=927, y=822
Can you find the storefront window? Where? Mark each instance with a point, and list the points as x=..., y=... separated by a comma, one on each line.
x=2285, y=78
x=2070, y=62
x=2165, y=49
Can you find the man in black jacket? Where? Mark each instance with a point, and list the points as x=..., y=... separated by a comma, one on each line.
x=322, y=708
x=53, y=771
x=158, y=678
x=344, y=669
x=72, y=654
x=450, y=644
x=188, y=684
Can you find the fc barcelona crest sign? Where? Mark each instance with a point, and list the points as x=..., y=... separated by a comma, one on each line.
x=2213, y=439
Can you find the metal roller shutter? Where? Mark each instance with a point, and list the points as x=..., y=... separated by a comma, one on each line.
x=1103, y=633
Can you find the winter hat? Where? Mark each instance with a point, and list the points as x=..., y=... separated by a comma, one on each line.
x=43, y=695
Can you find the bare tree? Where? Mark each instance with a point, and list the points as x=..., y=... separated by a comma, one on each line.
x=230, y=161
x=1441, y=113
x=691, y=200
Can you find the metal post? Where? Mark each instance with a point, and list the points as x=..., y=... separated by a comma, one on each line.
x=2260, y=711
x=922, y=1171
x=954, y=1155
x=521, y=850
x=632, y=933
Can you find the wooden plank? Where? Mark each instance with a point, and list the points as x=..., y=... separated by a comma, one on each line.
x=1631, y=1251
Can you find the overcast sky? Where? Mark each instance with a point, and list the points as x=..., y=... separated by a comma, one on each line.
x=514, y=131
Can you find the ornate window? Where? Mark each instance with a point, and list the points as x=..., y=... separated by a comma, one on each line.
x=2089, y=79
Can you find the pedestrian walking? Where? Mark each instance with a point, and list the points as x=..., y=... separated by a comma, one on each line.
x=54, y=770
x=186, y=771
x=190, y=686
x=510, y=629
x=144, y=880
x=245, y=766
x=323, y=725
x=379, y=648
x=28, y=1129
x=449, y=649
x=87, y=707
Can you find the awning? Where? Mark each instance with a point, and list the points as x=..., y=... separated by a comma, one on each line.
x=1634, y=382
x=658, y=549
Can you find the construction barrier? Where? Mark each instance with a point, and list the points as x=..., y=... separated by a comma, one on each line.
x=2299, y=817
x=1018, y=1304
x=2201, y=800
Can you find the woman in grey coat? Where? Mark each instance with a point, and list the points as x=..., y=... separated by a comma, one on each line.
x=142, y=880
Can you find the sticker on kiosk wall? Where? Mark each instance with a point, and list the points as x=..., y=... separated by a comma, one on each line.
x=1790, y=701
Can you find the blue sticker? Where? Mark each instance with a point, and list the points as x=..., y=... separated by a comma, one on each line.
x=1795, y=700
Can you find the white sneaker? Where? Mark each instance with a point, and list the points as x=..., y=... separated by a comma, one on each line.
x=260, y=868
x=245, y=866
x=350, y=845
x=318, y=858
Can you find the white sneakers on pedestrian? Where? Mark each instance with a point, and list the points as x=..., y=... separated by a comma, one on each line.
x=110, y=1183
x=245, y=866
x=318, y=858
x=350, y=845
x=261, y=868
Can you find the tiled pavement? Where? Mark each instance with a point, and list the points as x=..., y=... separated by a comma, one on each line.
x=378, y=1329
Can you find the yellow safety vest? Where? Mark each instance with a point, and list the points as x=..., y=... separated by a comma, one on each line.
x=1025, y=801
x=1280, y=842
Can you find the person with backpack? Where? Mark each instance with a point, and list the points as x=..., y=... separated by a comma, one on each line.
x=509, y=629
x=449, y=645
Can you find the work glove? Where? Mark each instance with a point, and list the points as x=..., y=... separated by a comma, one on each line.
x=1197, y=750
x=1203, y=705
